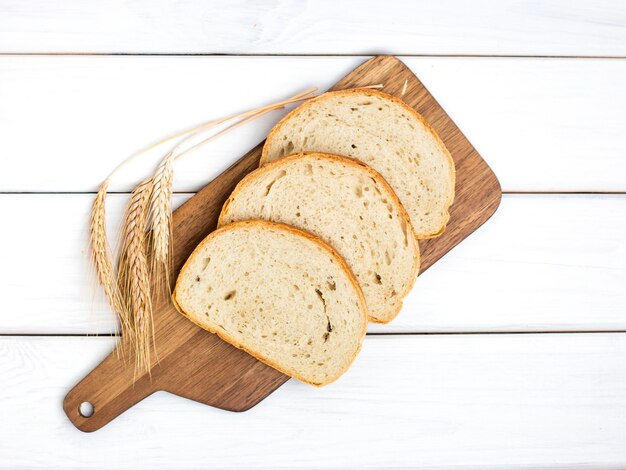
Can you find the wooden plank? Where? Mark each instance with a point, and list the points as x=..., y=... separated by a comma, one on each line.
x=532, y=267
x=462, y=401
x=557, y=27
x=67, y=121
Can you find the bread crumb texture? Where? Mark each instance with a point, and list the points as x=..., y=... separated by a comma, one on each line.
x=350, y=207
x=278, y=293
x=383, y=132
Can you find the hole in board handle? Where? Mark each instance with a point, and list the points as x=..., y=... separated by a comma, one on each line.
x=86, y=409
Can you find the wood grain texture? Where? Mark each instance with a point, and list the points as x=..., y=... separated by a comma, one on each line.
x=521, y=401
x=533, y=250
x=528, y=118
x=509, y=27
x=198, y=365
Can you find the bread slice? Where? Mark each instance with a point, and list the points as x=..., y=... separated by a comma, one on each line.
x=278, y=293
x=383, y=132
x=349, y=206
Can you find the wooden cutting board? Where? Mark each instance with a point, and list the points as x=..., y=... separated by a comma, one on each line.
x=198, y=365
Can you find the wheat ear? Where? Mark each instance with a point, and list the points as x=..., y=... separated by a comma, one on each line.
x=134, y=275
x=160, y=225
x=101, y=255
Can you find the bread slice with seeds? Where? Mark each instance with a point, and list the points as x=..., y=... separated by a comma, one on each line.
x=278, y=293
x=383, y=132
x=349, y=206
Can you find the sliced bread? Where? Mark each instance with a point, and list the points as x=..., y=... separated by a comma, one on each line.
x=349, y=206
x=278, y=293
x=383, y=132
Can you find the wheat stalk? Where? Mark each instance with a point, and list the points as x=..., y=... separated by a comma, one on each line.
x=134, y=275
x=246, y=117
x=305, y=95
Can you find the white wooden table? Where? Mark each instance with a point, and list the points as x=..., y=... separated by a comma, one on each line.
x=509, y=353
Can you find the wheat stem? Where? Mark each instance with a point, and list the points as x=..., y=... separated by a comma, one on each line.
x=210, y=124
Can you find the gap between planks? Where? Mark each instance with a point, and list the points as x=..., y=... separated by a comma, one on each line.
x=185, y=193
x=418, y=333
x=263, y=54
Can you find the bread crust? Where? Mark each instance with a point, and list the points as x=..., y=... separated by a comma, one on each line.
x=372, y=92
x=229, y=339
x=251, y=177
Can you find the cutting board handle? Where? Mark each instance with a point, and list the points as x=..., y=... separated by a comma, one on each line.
x=104, y=394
